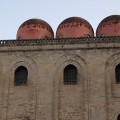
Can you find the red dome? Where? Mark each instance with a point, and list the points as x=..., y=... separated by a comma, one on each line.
x=35, y=29
x=74, y=27
x=110, y=26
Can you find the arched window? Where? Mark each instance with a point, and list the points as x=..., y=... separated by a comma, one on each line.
x=70, y=75
x=20, y=76
x=118, y=118
x=117, y=73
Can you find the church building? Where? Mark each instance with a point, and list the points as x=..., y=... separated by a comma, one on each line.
x=72, y=75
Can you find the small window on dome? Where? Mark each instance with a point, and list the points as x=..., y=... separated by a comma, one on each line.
x=60, y=36
x=87, y=35
x=102, y=35
x=19, y=37
x=46, y=37
x=34, y=25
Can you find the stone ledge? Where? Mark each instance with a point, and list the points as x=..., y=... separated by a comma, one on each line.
x=60, y=41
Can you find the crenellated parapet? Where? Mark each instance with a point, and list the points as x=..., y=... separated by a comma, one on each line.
x=59, y=41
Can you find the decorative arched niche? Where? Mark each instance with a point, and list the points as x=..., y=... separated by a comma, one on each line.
x=74, y=60
x=26, y=62
x=23, y=94
x=70, y=61
x=112, y=76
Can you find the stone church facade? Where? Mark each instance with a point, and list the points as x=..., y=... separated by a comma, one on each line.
x=60, y=79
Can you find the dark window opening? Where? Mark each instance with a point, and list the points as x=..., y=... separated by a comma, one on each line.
x=117, y=73
x=118, y=118
x=70, y=75
x=20, y=76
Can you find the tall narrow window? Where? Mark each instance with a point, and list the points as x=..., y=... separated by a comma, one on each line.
x=20, y=76
x=70, y=75
x=117, y=73
x=118, y=118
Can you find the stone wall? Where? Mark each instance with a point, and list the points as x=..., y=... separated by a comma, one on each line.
x=96, y=95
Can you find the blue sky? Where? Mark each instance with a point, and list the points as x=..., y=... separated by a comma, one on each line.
x=14, y=12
